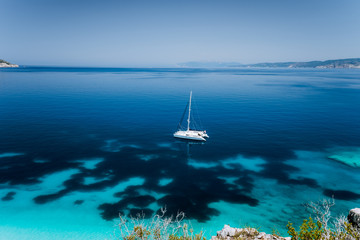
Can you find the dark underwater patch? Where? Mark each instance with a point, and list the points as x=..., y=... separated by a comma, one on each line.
x=138, y=201
x=341, y=194
x=78, y=202
x=9, y=196
x=246, y=182
x=304, y=181
x=191, y=190
x=110, y=211
x=281, y=172
x=193, y=210
x=42, y=199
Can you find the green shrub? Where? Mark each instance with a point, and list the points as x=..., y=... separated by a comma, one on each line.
x=309, y=230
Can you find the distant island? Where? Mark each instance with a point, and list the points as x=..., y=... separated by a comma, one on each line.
x=5, y=64
x=338, y=63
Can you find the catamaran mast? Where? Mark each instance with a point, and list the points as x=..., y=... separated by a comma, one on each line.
x=188, y=120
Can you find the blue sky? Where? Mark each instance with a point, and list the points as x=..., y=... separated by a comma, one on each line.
x=136, y=33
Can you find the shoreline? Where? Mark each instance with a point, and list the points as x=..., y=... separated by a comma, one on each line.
x=5, y=65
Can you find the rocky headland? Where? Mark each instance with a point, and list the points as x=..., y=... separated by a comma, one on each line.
x=5, y=64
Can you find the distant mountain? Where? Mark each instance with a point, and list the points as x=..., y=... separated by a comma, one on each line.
x=339, y=63
x=4, y=64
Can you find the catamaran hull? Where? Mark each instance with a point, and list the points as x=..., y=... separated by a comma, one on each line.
x=190, y=138
x=184, y=135
x=201, y=133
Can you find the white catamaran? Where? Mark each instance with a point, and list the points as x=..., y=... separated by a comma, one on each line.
x=190, y=134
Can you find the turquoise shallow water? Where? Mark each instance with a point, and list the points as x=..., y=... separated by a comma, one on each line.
x=80, y=146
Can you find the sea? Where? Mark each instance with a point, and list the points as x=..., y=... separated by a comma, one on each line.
x=79, y=146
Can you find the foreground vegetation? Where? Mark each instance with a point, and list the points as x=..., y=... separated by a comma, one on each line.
x=322, y=227
x=159, y=228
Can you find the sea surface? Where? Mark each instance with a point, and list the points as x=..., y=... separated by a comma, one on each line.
x=79, y=146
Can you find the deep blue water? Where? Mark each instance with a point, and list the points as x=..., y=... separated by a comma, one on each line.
x=99, y=142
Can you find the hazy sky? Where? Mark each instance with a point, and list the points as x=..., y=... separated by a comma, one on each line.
x=135, y=33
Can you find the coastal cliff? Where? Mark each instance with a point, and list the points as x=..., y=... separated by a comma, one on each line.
x=5, y=64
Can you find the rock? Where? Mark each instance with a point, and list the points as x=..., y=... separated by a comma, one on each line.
x=261, y=235
x=229, y=233
x=354, y=217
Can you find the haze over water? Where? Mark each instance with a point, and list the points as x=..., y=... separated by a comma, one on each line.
x=78, y=146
